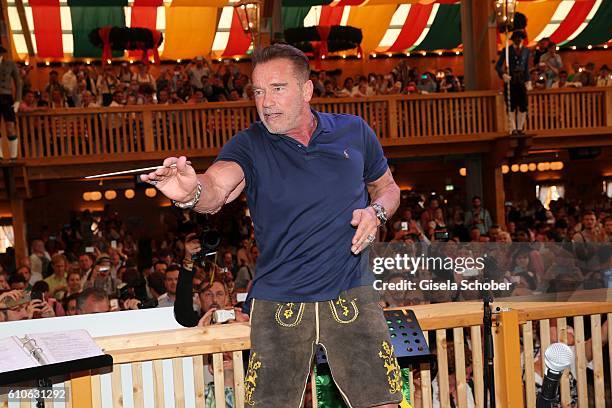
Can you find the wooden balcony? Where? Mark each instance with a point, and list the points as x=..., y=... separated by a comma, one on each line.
x=407, y=125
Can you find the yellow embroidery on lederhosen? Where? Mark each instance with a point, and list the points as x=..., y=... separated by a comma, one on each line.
x=285, y=312
x=345, y=311
x=250, y=380
x=393, y=370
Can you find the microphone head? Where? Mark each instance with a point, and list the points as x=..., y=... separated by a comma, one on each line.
x=558, y=357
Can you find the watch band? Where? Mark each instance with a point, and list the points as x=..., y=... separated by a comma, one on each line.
x=381, y=213
x=191, y=203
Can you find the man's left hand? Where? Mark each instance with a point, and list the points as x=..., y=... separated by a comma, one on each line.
x=367, y=224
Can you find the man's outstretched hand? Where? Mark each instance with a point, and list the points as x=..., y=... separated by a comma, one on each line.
x=177, y=183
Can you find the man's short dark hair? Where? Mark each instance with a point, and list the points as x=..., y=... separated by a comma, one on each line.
x=173, y=268
x=156, y=282
x=97, y=294
x=476, y=198
x=17, y=278
x=283, y=51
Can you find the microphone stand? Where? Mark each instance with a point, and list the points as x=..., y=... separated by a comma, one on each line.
x=489, y=376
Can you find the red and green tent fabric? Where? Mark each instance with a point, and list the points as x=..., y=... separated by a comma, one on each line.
x=212, y=27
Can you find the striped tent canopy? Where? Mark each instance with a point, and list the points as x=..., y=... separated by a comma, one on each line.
x=59, y=29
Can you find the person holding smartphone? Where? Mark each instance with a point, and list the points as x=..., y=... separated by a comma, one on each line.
x=100, y=276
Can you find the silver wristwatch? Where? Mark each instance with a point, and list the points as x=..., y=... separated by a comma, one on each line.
x=381, y=213
x=191, y=203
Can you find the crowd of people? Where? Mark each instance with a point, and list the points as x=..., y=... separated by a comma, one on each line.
x=91, y=86
x=96, y=263
x=548, y=70
x=88, y=85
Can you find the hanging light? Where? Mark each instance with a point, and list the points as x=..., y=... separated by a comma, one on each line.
x=504, y=12
x=463, y=172
x=110, y=194
x=524, y=168
x=249, y=16
x=514, y=168
x=129, y=193
x=505, y=169
x=87, y=196
x=557, y=165
x=150, y=192
x=95, y=196
x=532, y=167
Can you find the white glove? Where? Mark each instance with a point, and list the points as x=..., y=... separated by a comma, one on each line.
x=506, y=77
x=529, y=86
x=16, y=106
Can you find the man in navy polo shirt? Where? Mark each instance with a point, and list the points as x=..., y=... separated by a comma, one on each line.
x=318, y=186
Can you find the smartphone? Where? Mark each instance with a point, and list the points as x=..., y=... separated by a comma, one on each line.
x=114, y=304
x=89, y=250
x=424, y=76
x=37, y=295
x=114, y=244
x=404, y=226
x=508, y=203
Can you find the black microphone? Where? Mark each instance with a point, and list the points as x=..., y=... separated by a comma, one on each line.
x=558, y=357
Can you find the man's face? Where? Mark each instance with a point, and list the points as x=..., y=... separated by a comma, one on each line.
x=74, y=282
x=254, y=253
x=25, y=272
x=39, y=247
x=95, y=306
x=522, y=236
x=163, y=96
x=475, y=234
x=59, y=267
x=608, y=226
x=281, y=98
x=4, y=283
x=227, y=258
x=214, y=296
x=494, y=234
x=170, y=282
x=85, y=262
x=476, y=203
x=118, y=97
x=588, y=221
x=161, y=267
x=29, y=98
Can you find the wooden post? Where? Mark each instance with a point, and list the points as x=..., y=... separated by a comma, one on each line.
x=493, y=192
x=80, y=389
x=608, y=107
x=479, y=45
x=508, y=373
x=19, y=227
x=392, y=117
x=501, y=116
x=147, y=123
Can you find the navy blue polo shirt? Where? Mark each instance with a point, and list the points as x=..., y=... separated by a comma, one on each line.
x=301, y=200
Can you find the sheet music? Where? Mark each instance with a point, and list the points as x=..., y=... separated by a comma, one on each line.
x=66, y=346
x=13, y=356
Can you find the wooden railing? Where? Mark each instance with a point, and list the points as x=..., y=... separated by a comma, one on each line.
x=152, y=130
x=554, y=109
x=148, y=366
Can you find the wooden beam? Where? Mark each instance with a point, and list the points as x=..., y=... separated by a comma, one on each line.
x=5, y=35
x=25, y=27
x=19, y=227
x=509, y=384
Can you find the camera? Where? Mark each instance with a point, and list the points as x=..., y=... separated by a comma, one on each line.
x=222, y=316
x=209, y=242
x=136, y=290
x=442, y=236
